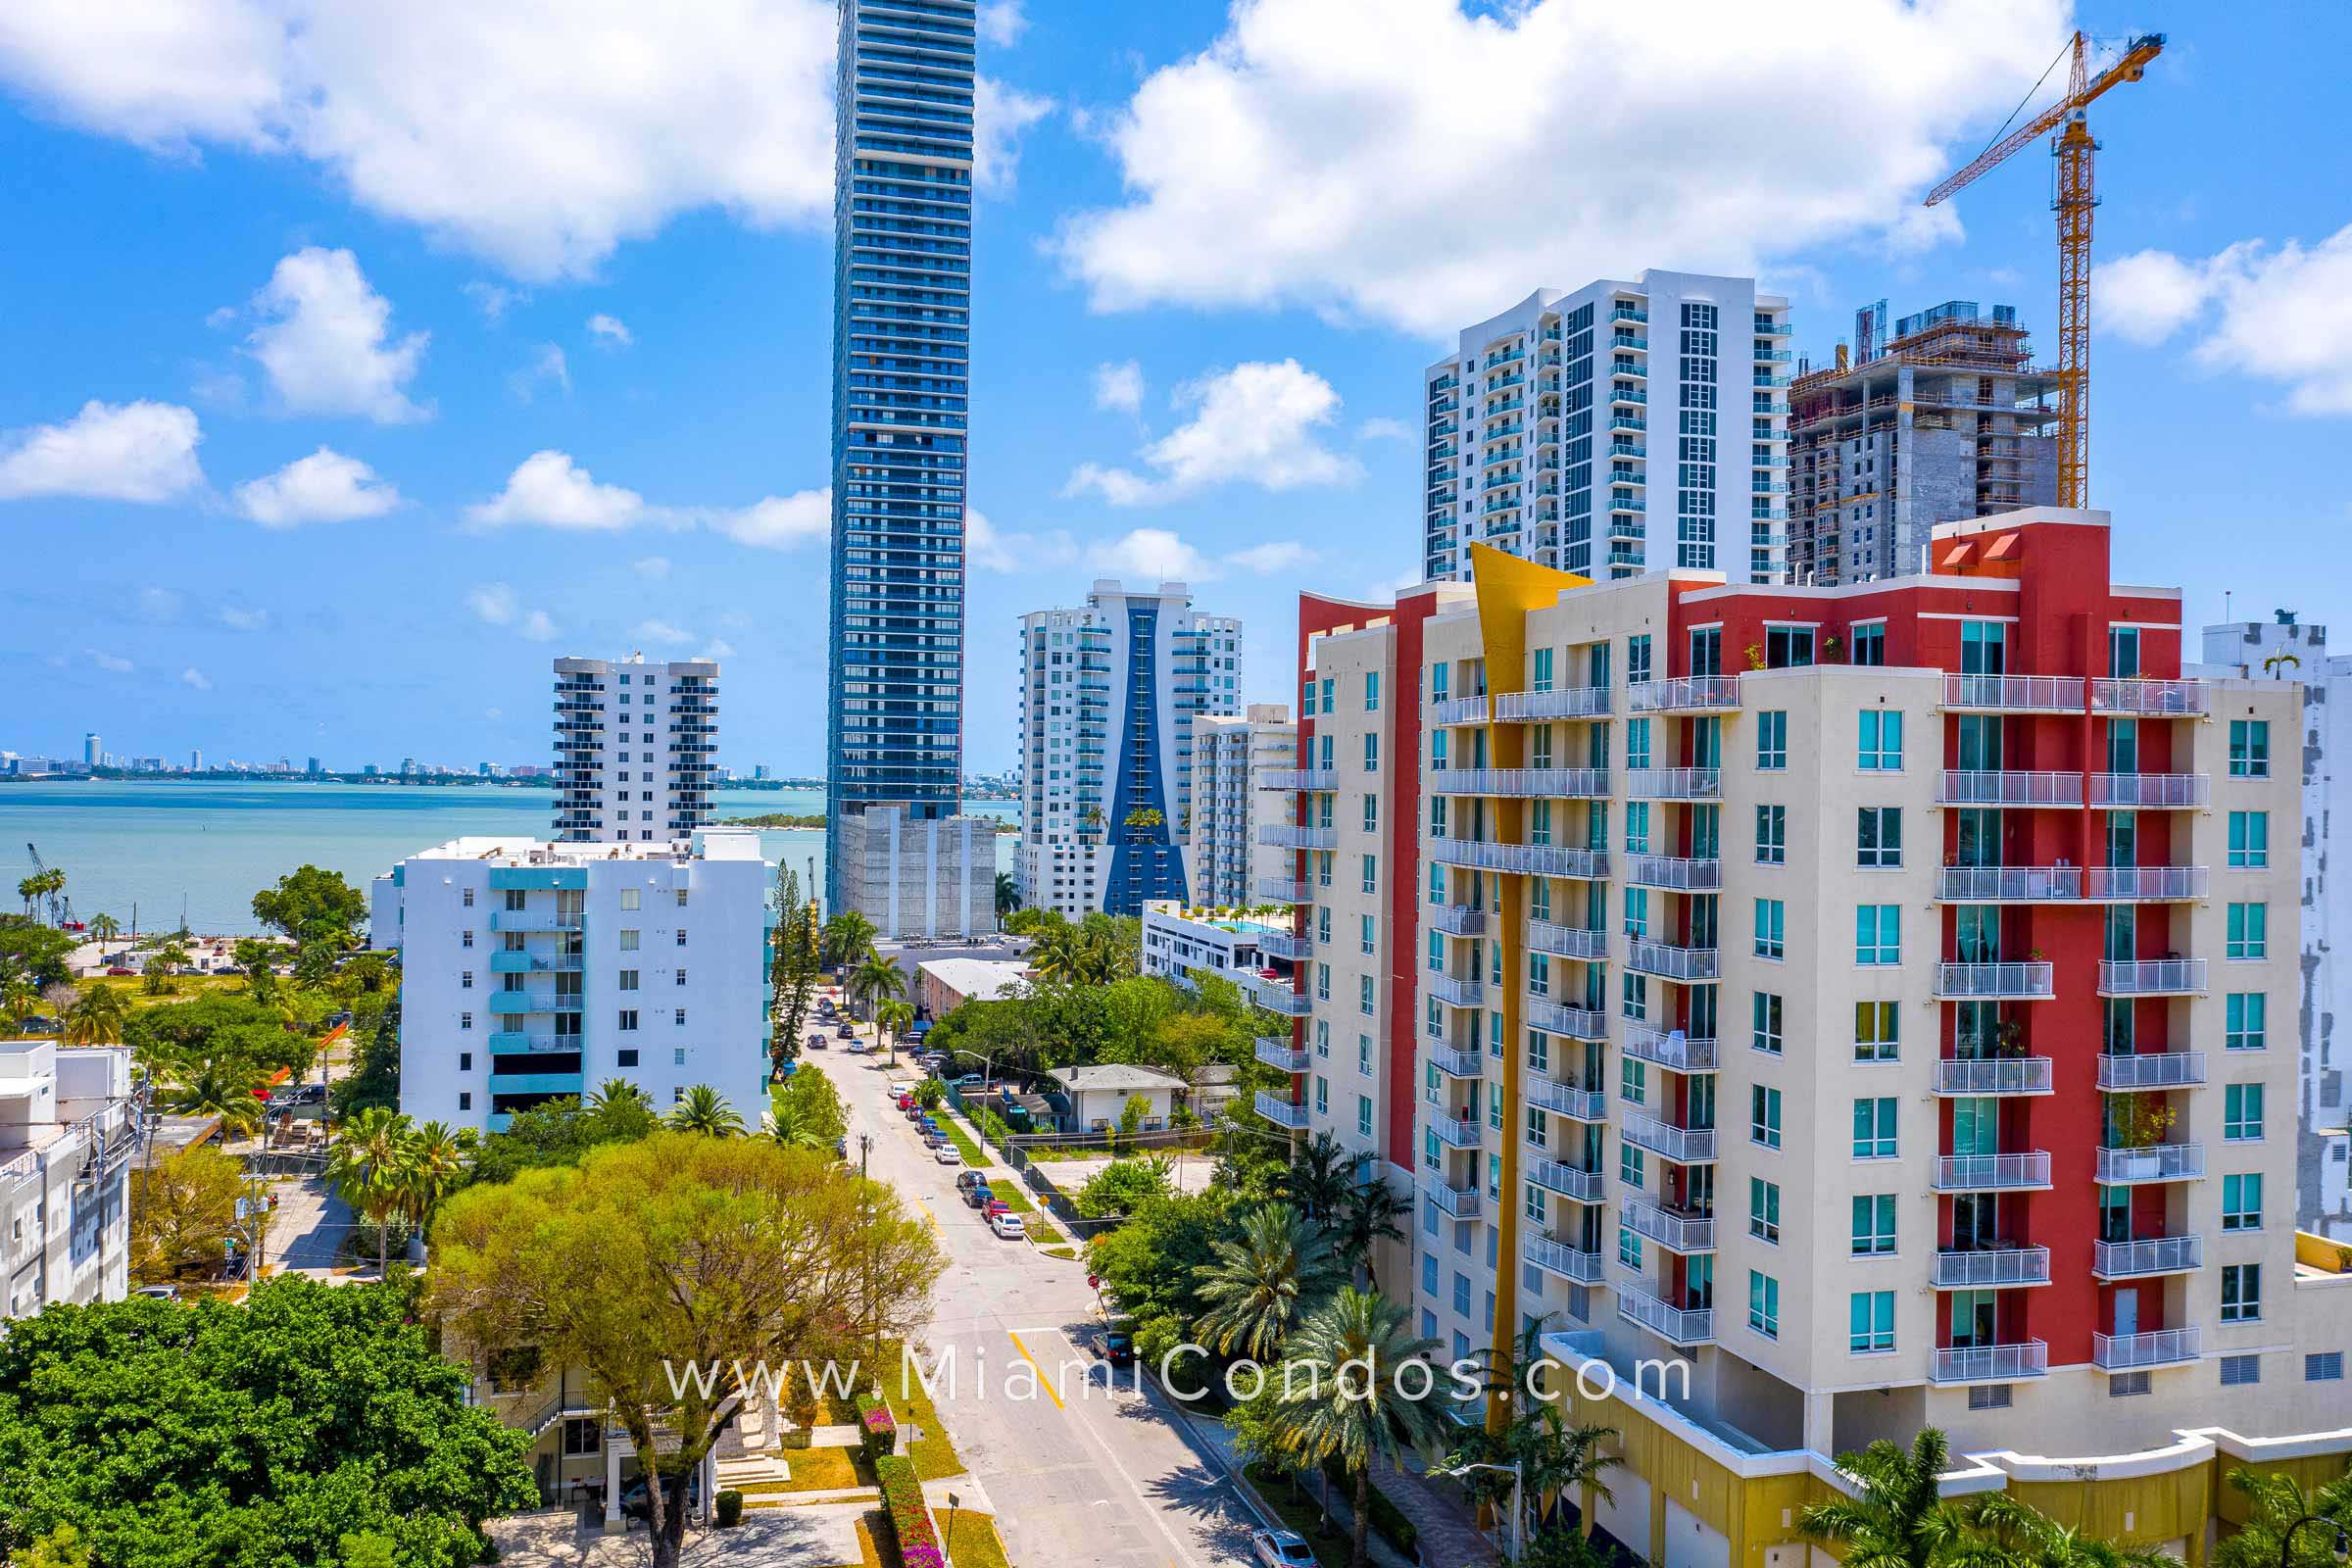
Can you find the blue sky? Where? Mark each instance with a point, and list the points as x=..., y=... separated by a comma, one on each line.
x=246, y=233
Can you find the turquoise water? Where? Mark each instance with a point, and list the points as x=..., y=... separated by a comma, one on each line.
x=164, y=844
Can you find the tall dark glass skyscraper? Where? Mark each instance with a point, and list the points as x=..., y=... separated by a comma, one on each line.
x=902, y=324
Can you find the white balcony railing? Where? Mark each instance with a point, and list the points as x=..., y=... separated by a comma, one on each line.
x=1285, y=944
x=1992, y=787
x=1526, y=860
x=1283, y=836
x=1522, y=783
x=2122, y=1352
x=1455, y=1132
x=1691, y=694
x=1689, y=966
x=1637, y=1304
x=1672, y=1228
x=1566, y=1100
x=1567, y=941
x=2159, y=1162
x=2016, y=982
x=1294, y=780
x=1957, y=1270
x=1565, y=701
x=1457, y=919
x=2155, y=1255
x=2181, y=699
x=1454, y=1064
x=1993, y=1075
x=1277, y=996
x=1455, y=991
x=1673, y=783
x=2147, y=884
x=2152, y=790
x=1461, y=1202
x=1458, y=711
x=1685, y=1145
x=2157, y=1070
x=1576, y=1023
x=1279, y=1112
x=2031, y=694
x=2152, y=977
x=1558, y=1176
x=1673, y=873
x=1670, y=1049
x=1277, y=890
x=1561, y=1259
x=1282, y=1054
x=1993, y=1173
x=1991, y=1364
x=2008, y=884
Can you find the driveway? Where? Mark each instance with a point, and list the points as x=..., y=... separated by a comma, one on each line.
x=812, y=1536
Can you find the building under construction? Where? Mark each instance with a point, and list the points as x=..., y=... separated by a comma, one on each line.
x=1946, y=418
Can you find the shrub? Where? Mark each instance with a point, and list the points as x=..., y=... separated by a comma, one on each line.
x=909, y=1520
x=878, y=1428
x=729, y=1510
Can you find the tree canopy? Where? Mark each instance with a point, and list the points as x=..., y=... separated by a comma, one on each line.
x=310, y=905
x=281, y=1430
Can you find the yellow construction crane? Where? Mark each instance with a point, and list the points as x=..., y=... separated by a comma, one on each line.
x=2075, y=199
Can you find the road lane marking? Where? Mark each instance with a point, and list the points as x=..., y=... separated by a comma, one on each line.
x=1050, y=1392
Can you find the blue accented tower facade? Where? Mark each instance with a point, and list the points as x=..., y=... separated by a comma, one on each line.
x=902, y=332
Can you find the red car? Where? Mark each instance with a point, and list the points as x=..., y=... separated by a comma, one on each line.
x=906, y=1102
x=995, y=1206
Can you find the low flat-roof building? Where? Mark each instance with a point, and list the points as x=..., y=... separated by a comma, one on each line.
x=941, y=985
x=1099, y=1096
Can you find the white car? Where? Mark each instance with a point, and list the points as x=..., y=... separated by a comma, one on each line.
x=1007, y=1226
x=946, y=1154
x=1281, y=1549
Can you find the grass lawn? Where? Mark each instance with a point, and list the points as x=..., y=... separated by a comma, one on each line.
x=1064, y=1252
x=1301, y=1514
x=815, y=1470
x=971, y=1539
x=1039, y=1228
x=963, y=1141
x=935, y=1457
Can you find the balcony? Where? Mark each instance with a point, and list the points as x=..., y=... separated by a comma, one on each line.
x=533, y=920
x=1685, y=694
x=1454, y=1064
x=1457, y=991
x=1559, y=1259
x=1685, y=1145
x=1676, y=1230
x=2161, y=699
x=510, y=1040
x=2157, y=1070
x=1458, y=711
x=1675, y=1325
x=1685, y=965
x=2152, y=977
x=1279, y=1052
x=1566, y=701
x=2181, y=792
x=2147, y=884
x=2125, y=1353
x=1457, y=919
x=1557, y=1176
x=535, y=1002
x=1673, y=873
x=536, y=1082
x=1991, y=1364
x=1523, y=783
x=1285, y=944
x=1455, y=1132
x=2156, y=1255
x=1281, y=1112
x=1590, y=1106
x=1993, y=1173
x=1276, y=996
x=2008, y=884
x=1670, y=1049
x=1996, y=787
x=1992, y=1269
x=1993, y=1075
x=534, y=963
x=1573, y=1023
x=1278, y=836
x=1589, y=943
x=1293, y=780
x=2014, y=694
x=2159, y=1162
x=1275, y=890
x=1524, y=860
x=1673, y=783
x=2003, y=982
x=1460, y=1202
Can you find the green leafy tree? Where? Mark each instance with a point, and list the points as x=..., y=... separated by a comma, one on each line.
x=309, y=904
x=226, y=1088
x=104, y=928
x=876, y=979
x=563, y=1131
x=1263, y=1281
x=678, y=1252
x=261, y=1432
x=1152, y=1264
x=259, y=960
x=896, y=1020
x=372, y=1167
x=817, y=1103
x=36, y=952
x=792, y=974
x=930, y=1094
x=1555, y=1458
x=373, y=1081
x=96, y=1017
x=1009, y=896
x=183, y=1209
x=1369, y=1214
x=1132, y=1115
x=163, y=967
x=315, y=966
x=438, y=1156
x=1345, y=1404
x=1122, y=1187
x=1322, y=1170
x=367, y=973
x=18, y=997
x=706, y=1110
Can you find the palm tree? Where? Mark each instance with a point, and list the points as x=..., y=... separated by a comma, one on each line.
x=2016, y=1534
x=1322, y=1169
x=1262, y=1281
x=31, y=889
x=1054, y=951
x=1009, y=894
x=706, y=1110
x=1342, y=1397
x=2278, y=1510
x=437, y=1158
x=849, y=939
x=617, y=1092
x=104, y=928
x=877, y=979
x=96, y=1017
x=19, y=995
x=1900, y=1520
x=225, y=1089
x=1369, y=1214
x=372, y=1167
x=788, y=1124
x=898, y=1017
x=1553, y=1458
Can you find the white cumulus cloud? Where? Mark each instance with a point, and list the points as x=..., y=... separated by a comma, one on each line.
x=549, y=490
x=1001, y=23
x=195, y=680
x=661, y=631
x=1001, y=115
x=1119, y=387
x=108, y=451
x=653, y=569
x=2280, y=313
x=324, y=341
x=325, y=487
x=546, y=366
x=538, y=627
x=609, y=330
x=985, y=549
x=1275, y=554
x=496, y=604
x=1426, y=164
x=778, y=522
x=1380, y=427
x=1257, y=423
x=112, y=664
x=1151, y=556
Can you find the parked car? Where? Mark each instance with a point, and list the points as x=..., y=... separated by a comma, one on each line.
x=1007, y=1226
x=1118, y=1338
x=817, y=1042
x=159, y=1293
x=632, y=1497
x=119, y=970
x=1281, y=1549
x=945, y=1152
x=967, y=1181
x=977, y=1195
x=845, y=1032
x=971, y=1083
x=995, y=1206
x=906, y=1102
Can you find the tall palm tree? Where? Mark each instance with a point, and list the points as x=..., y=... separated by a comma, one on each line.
x=1322, y=1169
x=19, y=995
x=372, y=1168
x=1900, y=1520
x=225, y=1089
x=877, y=979
x=849, y=939
x=96, y=1017
x=617, y=1092
x=1009, y=894
x=438, y=1160
x=897, y=1019
x=1258, y=1284
x=706, y=1110
x=1342, y=1400
x=2279, y=1508
x=1369, y=1214
x=1555, y=1459
x=104, y=928
x=31, y=889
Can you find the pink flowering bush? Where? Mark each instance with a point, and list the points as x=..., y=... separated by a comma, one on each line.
x=909, y=1521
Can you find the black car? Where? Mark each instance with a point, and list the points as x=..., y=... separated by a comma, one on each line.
x=817, y=1042
x=845, y=1032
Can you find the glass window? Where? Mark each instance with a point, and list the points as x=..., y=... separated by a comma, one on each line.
x=1539, y=676
x=1763, y=1209
x=1772, y=739
x=2241, y=1293
x=2249, y=747
x=1764, y=1304
x=1630, y=1165
x=2245, y=1015
x=1371, y=691
x=1879, y=934
x=1874, y=1128
x=1787, y=647
x=1870, y=643
x=1876, y=1031
x=1772, y=835
x=1870, y=1322
x=2241, y=1113
x=2241, y=1202
x=1371, y=750
x=2249, y=838
x=1874, y=1224
x=1636, y=743
x=2249, y=931
x=1882, y=741
x=1766, y=1019
x=1983, y=647
x=1772, y=920
x=1764, y=1116
x=1878, y=837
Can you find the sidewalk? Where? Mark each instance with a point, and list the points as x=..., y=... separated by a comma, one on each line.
x=1219, y=1439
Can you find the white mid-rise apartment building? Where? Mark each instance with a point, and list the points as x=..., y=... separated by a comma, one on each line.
x=635, y=744
x=66, y=1129
x=2321, y=756
x=1109, y=692
x=1628, y=426
x=532, y=970
x=916, y=875
x=1226, y=848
